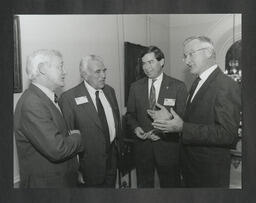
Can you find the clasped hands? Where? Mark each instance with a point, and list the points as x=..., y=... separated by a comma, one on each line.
x=166, y=121
x=146, y=135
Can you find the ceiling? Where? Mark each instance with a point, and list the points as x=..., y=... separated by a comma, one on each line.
x=177, y=20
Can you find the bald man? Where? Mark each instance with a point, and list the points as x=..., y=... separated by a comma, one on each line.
x=92, y=107
x=210, y=124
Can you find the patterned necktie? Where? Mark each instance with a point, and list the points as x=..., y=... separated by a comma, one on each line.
x=103, y=119
x=152, y=96
x=192, y=89
x=55, y=98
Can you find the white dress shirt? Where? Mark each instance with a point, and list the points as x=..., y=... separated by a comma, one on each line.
x=106, y=106
x=204, y=75
x=157, y=85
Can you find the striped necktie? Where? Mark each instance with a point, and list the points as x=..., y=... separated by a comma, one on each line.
x=152, y=96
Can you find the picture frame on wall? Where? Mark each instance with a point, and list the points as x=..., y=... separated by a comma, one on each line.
x=132, y=62
x=17, y=74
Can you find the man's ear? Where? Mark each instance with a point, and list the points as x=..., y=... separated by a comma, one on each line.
x=208, y=53
x=162, y=62
x=84, y=75
x=41, y=68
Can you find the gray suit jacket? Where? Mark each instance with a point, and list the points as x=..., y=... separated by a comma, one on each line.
x=167, y=148
x=85, y=118
x=210, y=129
x=45, y=150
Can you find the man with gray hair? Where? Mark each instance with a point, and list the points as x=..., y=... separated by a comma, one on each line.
x=210, y=124
x=46, y=148
x=92, y=107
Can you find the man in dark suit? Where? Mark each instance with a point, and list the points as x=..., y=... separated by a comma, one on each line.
x=210, y=124
x=92, y=108
x=154, y=150
x=46, y=149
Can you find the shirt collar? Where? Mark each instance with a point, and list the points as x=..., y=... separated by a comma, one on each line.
x=91, y=89
x=159, y=78
x=204, y=75
x=49, y=93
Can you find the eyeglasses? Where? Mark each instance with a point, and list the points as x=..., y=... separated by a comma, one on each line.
x=190, y=54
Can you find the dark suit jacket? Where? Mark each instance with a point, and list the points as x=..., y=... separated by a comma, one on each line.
x=46, y=153
x=210, y=129
x=85, y=118
x=167, y=148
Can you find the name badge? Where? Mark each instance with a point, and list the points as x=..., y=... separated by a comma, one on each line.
x=81, y=100
x=169, y=102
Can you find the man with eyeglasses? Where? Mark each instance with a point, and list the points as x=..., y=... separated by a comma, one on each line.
x=92, y=107
x=210, y=124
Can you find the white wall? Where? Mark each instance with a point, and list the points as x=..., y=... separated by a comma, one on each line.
x=78, y=35
x=177, y=36
x=159, y=26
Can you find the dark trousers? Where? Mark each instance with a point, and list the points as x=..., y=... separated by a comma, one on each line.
x=68, y=179
x=209, y=176
x=168, y=172
x=207, y=172
x=111, y=171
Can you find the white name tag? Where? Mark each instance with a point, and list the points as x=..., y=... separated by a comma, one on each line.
x=169, y=102
x=81, y=100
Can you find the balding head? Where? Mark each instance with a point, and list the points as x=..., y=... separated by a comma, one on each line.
x=205, y=42
x=84, y=63
x=93, y=71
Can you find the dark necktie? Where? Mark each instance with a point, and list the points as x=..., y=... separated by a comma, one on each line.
x=152, y=96
x=103, y=119
x=55, y=98
x=192, y=89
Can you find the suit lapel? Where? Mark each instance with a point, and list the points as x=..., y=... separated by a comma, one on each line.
x=88, y=107
x=205, y=86
x=164, y=88
x=49, y=103
x=143, y=89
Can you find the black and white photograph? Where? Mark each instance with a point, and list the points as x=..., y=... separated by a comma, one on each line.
x=128, y=101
